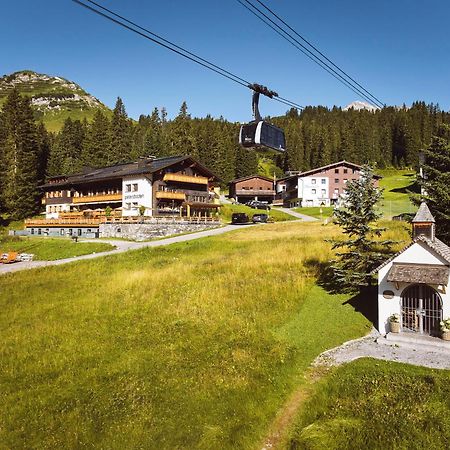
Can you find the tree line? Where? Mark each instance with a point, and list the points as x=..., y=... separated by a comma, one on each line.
x=316, y=136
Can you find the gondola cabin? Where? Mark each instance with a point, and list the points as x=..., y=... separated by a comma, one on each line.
x=262, y=134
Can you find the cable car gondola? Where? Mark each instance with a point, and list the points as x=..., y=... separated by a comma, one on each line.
x=259, y=133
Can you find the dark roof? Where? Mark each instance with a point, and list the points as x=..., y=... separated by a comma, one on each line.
x=419, y=273
x=438, y=246
x=328, y=166
x=142, y=166
x=237, y=180
x=423, y=214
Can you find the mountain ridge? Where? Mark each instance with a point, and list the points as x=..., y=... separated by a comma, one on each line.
x=53, y=98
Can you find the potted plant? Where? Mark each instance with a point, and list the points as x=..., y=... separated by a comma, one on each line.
x=445, y=329
x=394, y=323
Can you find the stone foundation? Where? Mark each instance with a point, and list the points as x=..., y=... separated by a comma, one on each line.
x=144, y=231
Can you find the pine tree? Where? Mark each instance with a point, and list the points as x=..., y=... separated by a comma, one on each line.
x=19, y=158
x=121, y=134
x=437, y=181
x=98, y=141
x=357, y=217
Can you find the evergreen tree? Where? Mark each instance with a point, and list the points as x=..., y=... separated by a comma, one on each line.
x=437, y=181
x=121, y=135
x=97, y=145
x=363, y=252
x=19, y=158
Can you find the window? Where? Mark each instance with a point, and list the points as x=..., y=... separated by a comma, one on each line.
x=70, y=231
x=135, y=187
x=128, y=188
x=313, y=191
x=39, y=231
x=32, y=231
x=79, y=231
x=355, y=170
x=336, y=180
x=336, y=190
x=336, y=170
x=345, y=170
x=128, y=205
x=324, y=181
x=345, y=180
x=313, y=181
x=61, y=231
x=324, y=192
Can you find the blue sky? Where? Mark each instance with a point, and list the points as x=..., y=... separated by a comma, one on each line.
x=398, y=49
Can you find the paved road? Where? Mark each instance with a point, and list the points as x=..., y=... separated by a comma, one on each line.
x=304, y=217
x=121, y=246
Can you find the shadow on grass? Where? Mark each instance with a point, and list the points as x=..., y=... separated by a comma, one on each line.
x=363, y=302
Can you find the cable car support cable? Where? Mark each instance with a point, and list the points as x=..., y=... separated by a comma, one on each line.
x=147, y=34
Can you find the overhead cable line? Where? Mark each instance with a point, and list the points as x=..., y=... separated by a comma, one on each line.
x=147, y=34
x=319, y=52
x=316, y=59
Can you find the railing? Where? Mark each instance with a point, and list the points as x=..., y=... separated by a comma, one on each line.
x=60, y=222
x=160, y=219
x=185, y=178
x=255, y=192
x=97, y=198
x=171, y=195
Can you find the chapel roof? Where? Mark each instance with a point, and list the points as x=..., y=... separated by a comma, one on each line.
x=423, y=214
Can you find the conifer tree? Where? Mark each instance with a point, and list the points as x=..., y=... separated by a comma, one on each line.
x=98, y=141
x=357, y=217
x=437, y=181
x=121, y=137
x=19, y=158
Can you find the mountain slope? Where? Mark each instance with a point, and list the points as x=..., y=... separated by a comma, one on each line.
x=53, y=98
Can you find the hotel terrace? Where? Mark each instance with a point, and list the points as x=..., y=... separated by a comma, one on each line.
x=150, y=189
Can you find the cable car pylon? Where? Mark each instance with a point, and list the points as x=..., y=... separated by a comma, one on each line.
x=259, y=133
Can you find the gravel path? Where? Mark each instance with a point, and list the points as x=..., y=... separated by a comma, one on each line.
x=376, y=346
x=304, y=217
x=121, y=246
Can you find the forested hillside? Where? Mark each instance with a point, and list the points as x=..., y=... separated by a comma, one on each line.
x=29, y=153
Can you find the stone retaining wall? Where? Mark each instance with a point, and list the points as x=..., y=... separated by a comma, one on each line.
x=144, y=231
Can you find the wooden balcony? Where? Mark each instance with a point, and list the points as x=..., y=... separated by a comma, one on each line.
x=255, y=192
x=171, y=195
x=77, y=222
x=185, y=178
x=100, y=198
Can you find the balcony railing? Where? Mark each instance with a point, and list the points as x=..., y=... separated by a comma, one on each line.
x=171, y=195
x=98, y=198
x=62, y=222
x=185, y=178
x=255, y=192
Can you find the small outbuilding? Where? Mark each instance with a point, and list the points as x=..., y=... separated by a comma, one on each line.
x=414, y=283
x=254, y=187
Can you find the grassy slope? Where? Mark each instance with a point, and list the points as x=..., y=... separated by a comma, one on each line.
x=396, y=183
x=315, y=212
x=227, y=210
x=377, y=405
x=191, y=346
x=49, y=249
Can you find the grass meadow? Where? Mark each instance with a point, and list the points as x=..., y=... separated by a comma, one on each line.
x=195, y=345
x=50, y=249
x=227, y=210
x=376, y=405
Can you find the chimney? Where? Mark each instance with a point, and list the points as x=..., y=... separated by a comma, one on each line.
x=424, y=223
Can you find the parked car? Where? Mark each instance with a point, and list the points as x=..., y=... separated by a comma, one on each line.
x=255, y=204
x=239, y=218
x=260, y=218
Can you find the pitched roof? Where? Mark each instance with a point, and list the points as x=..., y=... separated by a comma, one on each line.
x=438, y=246
x=329, y=166
x=423, y=214
x=142, y=166
x=237, y=180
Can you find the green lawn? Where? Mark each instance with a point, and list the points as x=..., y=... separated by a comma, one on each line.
x=227, y=210
x=49, y=249
x=196, y=345
x=327, y=211
x=396, y=184
x=377, y=405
